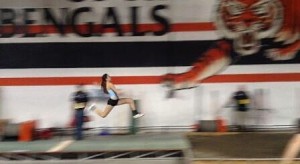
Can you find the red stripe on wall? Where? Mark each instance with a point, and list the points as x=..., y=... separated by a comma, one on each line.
x=233, y=78
x=229, y=78
x=50, y=29
x=185, y=27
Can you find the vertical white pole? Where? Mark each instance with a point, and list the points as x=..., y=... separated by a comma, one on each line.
x=1, y=104
x=214, y=103
x=297, y=101
x=198, y=98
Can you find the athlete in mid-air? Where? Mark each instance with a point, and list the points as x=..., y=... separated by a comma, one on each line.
x=109, y=88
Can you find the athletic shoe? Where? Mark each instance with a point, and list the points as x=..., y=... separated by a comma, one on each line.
x=138, y=115
x=91, y=108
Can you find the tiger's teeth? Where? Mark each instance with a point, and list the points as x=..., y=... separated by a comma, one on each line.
x=288, y=56
x=272, y=53
x=276, y=55
x=292, y=39
x=282, y=36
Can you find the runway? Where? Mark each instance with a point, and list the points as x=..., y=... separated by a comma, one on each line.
x=147, y=148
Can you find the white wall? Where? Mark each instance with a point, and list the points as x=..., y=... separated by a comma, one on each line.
x=51, y=104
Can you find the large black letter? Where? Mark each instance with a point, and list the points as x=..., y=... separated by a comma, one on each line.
x=59, y=24
x=75, y=26
x=7, y=17
x=163, y=21
x=111, y=13
x=135, y=22
x=28, y=22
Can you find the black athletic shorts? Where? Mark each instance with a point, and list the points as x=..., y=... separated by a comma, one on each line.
x=112, y=102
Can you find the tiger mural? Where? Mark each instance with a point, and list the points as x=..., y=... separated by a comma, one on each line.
x=243, y=25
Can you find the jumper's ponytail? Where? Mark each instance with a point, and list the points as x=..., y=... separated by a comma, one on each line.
x=103, y=83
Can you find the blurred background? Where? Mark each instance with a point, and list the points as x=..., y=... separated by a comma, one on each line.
x=47, y=48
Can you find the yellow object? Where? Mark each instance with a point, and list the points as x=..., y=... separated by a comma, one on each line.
x=79, y=105
x=244, y=101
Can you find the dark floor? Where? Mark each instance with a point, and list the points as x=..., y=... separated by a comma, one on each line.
x=238, y=145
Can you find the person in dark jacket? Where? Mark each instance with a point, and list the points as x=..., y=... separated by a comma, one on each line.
x=241, y=101
x=80, y=99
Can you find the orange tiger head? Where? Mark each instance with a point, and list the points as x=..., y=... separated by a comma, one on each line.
x=246, y=22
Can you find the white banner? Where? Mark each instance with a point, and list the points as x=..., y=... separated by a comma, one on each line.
x=106, y=20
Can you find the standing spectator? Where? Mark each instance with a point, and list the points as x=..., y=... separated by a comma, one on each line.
x=241, y=102
x=80, y=100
